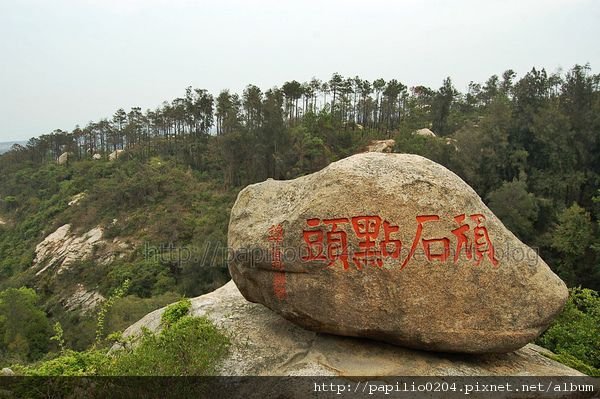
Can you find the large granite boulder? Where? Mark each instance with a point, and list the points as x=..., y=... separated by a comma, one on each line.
x=392, y=247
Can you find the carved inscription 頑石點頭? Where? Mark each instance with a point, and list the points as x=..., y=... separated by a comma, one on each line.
x=327, y=241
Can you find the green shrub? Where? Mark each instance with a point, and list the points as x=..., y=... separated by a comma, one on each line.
x=24, y=328
x=191, y=346
x=106, y=306
x=174, y=312
x=70, y=363
x=574, y=335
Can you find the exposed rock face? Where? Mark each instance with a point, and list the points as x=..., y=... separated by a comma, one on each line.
x=63, y=158
x=63, y=247
x=96, y=157
x=452, y=142
x=76, y=198
x=263, y=343
x=83, y=300
x=381, y=145
x=392, y=247
x=114, y=155
x=425, y=132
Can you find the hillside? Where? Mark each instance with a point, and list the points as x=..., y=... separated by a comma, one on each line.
x=144, y=213
x=142, y=200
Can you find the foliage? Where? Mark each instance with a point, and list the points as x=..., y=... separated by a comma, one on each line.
x=131, y=308
x=24, y=328
x=69, y=364
x=516, y=207
x=574, y=335
x=190, y=346
x=573, y=362
x=106, y=306
x=174, y=312
x=573, y=233
x=572, y=237
x=59, y=336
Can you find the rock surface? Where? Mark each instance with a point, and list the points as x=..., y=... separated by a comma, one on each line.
x=63, y=247
x=392, y=247
x=263, y=343
x=381, y=145
x=76, y=198
x=63, y=159
x=425, y=132
x=83, y=300
x=115, y=154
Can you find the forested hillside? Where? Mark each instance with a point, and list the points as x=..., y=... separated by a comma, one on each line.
x=529, y=146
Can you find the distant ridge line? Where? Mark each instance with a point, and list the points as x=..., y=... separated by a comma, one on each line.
x=5, y=145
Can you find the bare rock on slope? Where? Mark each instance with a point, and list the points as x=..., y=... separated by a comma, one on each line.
x=425, y=132
x=60, y=249
x=83, y=300
x=381, y=145
x=63, y=159
x=115, y=155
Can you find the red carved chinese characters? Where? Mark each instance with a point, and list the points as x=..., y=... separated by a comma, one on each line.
x=388, y=229
x=461, y=238
x=427, y=243
x=366, y=229
x=314, y=241
x=483, y=244
x=275, y=235
x=332, y=245
x=337, y=242
x=327, y=240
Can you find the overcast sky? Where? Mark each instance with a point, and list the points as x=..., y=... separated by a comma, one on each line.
x=67, y=62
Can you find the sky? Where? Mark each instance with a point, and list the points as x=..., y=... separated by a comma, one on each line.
x=69, y=62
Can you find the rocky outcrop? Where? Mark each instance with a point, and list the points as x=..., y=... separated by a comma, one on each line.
x=392, y=247
x=6, y=372
x=83, y=300
x=263, y=343
x=76, y=198
x=96, y=157
x=381, y=146
x=425, y=132
x=115, y=155
x=452, y=142
x=63, y=247
x=63, y=159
